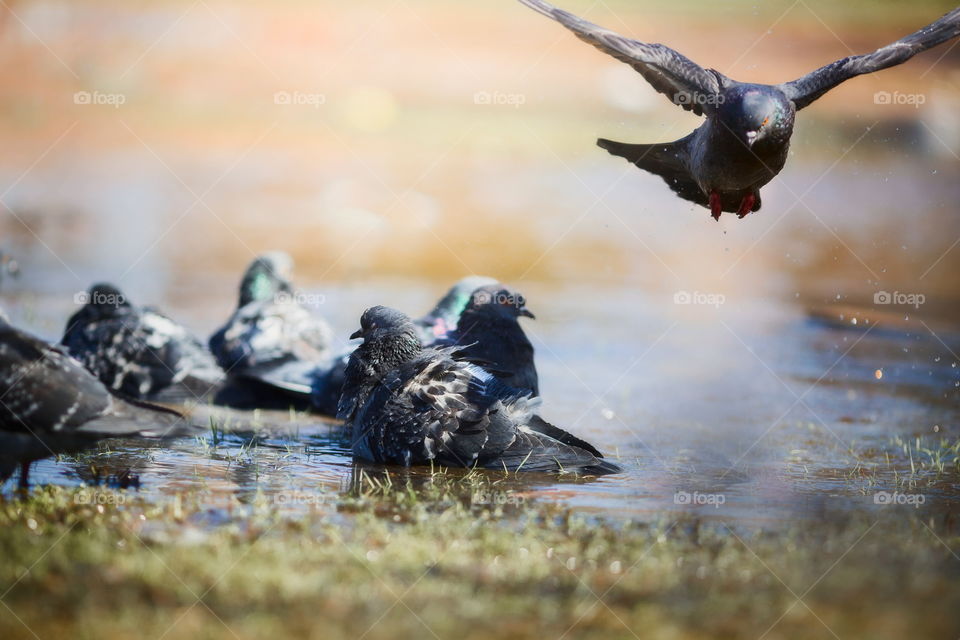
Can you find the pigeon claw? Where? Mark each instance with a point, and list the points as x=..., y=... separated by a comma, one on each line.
x=746, y=205
x=716, y=206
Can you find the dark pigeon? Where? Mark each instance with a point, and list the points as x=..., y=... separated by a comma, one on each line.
x=443, y=318
x=139, y=352
x=272, y=345
x=404, y=404
x=50, y=404
x=489, y=334
x=327, y=385
x=743, y=143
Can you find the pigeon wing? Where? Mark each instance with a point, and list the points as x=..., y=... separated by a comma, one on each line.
x=686, y=83
x=810, y=87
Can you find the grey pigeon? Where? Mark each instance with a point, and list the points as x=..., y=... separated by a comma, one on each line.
x=443, y=318
x=489, y=334
x=139, y=352
x=272, y=344
x=408, y=405
x=50, y=404
x=743, y=143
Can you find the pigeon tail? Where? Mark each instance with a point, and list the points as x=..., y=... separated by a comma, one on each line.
x=663, y=159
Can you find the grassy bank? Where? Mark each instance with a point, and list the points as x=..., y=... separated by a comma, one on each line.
x=397, y=562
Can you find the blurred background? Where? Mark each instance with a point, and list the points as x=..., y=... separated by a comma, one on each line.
x=393, y=146
x=163, y=144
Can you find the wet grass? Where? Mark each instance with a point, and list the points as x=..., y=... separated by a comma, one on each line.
x=458, y=555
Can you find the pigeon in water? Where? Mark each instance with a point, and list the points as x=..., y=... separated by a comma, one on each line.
x=139, y=352
x=440, y=321
x=743, y=143
x=443, y=318
x=272, y=345
x=50, y=404
x=409, y=405
x=489, y=334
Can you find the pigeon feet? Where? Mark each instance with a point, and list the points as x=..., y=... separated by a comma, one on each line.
x=716, y=206
x=746, y=205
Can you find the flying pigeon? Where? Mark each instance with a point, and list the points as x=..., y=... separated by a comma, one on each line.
x=489, y=334
x=50, y=404
x=408, y=405
x=137, y=351
x=743, y=143
x=443, y=318
x=272, y=345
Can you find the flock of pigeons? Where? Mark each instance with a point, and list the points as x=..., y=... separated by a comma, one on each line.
x=456, y=387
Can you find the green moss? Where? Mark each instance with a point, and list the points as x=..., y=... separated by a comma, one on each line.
x=416, y=560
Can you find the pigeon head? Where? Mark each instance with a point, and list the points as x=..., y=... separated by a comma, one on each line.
x=389, y=340
x=380, y=320
x=104, y=300
x=267, y=276
x=456, y=299
x=754, y=113
x=496, y=300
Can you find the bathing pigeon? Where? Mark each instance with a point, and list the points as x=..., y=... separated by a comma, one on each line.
x=404, y=404
x=139, y=352
x=743, y=143
x=443, y=318
x=50, y=404
x=272, y=344
x=489, y=335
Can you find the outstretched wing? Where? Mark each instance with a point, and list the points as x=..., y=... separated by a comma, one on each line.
x=686, y=83
x=810, y=87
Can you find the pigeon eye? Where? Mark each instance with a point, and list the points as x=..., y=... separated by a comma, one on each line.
x=765, y=121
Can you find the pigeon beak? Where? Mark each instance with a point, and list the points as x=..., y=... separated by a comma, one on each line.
x=751, y=138
x=527, y=314
x=356, y=334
